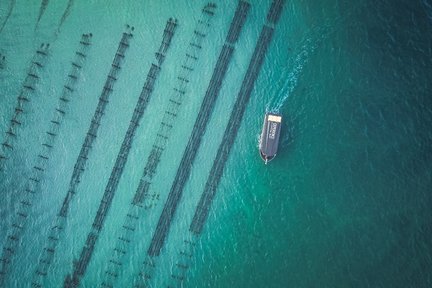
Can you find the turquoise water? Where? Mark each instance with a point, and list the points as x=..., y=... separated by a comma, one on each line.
x=346, y=203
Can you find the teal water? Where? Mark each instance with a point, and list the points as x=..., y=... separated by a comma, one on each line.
x=346, y=203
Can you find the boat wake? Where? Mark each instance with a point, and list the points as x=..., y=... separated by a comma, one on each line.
x=303, y=51
x=258, y=137
x=296, y=64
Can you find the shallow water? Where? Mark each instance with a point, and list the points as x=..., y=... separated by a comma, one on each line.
x=346, y=203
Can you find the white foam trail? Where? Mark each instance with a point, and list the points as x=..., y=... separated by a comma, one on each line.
x=299, y=62
x=296, y=64
x=258, y=137
x=315, y=36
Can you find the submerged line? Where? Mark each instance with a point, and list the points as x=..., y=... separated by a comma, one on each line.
x=29, y=195
x=44, y=4
x=79, y=168
x=28, y=88
x=114, y=268
x=45, y=154
x=189, y=155
x=65, y=14
x=11, y=7
x=234, y=122
x=142, y=199
x=184, y=261
x=2, y=61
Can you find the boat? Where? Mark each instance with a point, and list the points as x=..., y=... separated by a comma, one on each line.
x=269, y=140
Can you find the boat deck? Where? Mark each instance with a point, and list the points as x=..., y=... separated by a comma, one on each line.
x=269, y=140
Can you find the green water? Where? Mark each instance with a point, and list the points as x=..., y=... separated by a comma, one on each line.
x=346, y=202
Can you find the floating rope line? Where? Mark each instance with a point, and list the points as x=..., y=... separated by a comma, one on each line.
x=44, y=4
x=183, y=262
x=125, y=239
x=124, y=152
x=178, y=273
x=116, y=260
x=48, y=253
x=184, y=170
x=203, y=208
x=24, y=97
x=2, y=61
x=65, y=14
x=79, y=167
x=275, y=12
x=42, y=160
x=185, y=167
x=48, y=145
x=11, y=7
